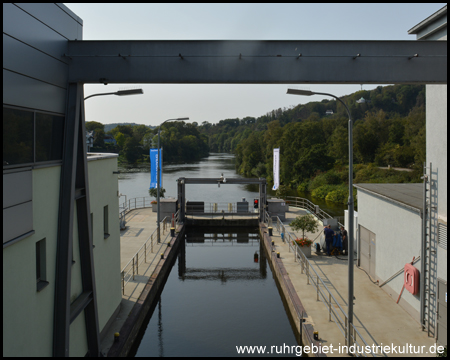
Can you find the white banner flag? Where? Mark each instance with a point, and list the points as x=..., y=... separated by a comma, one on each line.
x=276, y=168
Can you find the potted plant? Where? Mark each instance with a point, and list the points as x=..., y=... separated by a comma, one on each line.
x=305, y=245
x=305, y=223
x=153, y=192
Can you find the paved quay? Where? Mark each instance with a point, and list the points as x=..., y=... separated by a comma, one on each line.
x=141, y=223
x=380, y=316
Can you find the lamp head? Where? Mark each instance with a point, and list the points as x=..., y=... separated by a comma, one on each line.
x=299, y=92
x=130, y=92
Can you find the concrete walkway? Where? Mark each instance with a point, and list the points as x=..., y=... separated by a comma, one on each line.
x=380, y=316
x=141, y=223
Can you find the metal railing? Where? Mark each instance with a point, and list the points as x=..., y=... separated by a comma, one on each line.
x=309, y=206
x=220, y=208
x=131, y=269
x=335, y=312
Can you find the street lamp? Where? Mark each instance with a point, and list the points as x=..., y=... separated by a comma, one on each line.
x=119, y=93
x=157, y=175
x=350, y=205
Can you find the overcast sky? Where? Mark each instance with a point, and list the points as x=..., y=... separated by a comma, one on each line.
x=213, y=103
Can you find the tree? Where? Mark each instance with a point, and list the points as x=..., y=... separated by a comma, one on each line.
x=132, y=150
x=94, y=125
x=305, y=223
x=120, y=139
x=99, y=138
x=154, y=192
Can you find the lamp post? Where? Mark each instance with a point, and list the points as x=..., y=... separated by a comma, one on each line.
x=350, y=206
x=158, y=220
x=119, y=93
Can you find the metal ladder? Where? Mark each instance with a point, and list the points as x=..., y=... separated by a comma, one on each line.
x=428, y=250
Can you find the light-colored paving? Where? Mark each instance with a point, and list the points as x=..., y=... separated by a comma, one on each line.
x=387, y=322
x=141, y=224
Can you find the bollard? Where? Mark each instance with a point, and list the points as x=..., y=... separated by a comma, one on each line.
x=316, y=335
x=172, y=231
x=116, y=337
x=278, y=255
x=270, y=231
x=162, y=256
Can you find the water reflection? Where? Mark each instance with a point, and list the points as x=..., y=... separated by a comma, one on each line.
x=219, y=298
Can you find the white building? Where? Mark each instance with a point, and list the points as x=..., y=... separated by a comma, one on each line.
x=45, y=257
x=395, y=226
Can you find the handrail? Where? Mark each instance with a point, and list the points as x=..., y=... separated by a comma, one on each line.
x=311, y=207
x=134, y=261
x=321, y=287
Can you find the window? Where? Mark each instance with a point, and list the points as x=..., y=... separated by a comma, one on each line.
x=41, y=265
x=105, y=222
x=31, y=137
x=17, y=136
x=49, y=137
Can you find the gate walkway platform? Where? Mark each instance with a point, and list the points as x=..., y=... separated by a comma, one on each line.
x=387, y=322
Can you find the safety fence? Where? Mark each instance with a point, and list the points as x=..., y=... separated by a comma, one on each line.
x=309, y=206
x=335, y=311
x=131, y=269
x=220, y=208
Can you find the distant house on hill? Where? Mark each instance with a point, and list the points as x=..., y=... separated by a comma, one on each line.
x=89, y=140
x=329, y=112
x=362, y=101
x=110, y=140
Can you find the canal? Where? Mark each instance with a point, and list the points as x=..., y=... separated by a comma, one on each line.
x=216, y=296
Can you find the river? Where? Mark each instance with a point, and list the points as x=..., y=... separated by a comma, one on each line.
x=136, y=182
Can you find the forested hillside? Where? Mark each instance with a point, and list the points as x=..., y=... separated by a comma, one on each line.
x=181, y=141
x=388, y=129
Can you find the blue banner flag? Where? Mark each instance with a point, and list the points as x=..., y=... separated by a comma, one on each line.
x=154, y=167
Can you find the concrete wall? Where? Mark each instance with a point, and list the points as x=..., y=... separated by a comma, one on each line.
x=398, y=239
x=27, y=313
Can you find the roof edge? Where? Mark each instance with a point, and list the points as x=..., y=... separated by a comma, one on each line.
x=416, y=28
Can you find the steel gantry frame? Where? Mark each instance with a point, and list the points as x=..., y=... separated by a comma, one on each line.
x=258, y=62
x=182, y=181
x=202, y=62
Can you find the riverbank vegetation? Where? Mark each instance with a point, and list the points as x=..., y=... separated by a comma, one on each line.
x=388, y=130
x=180, y=141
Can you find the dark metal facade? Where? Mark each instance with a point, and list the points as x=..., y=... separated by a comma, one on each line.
x=258, y=62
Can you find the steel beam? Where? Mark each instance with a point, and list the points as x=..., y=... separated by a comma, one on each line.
x=221, y=181
x=258, y=62
x=61, y=317
x=74, y=190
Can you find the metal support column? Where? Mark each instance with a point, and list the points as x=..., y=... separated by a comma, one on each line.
x=262, y=198
x=74, y=189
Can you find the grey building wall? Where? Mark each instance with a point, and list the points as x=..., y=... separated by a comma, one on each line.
x=35, y=38
x=435, y=28
x=398, y=238
x=35, y=74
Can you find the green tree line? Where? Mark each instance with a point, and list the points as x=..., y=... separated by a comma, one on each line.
x=181, y=141
x=388, y=129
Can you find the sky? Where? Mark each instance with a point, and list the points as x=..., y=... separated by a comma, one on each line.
x=215, y=102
